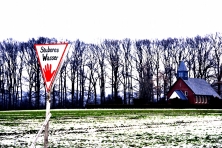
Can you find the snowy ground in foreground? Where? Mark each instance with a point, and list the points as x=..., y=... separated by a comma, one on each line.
x=119, y=131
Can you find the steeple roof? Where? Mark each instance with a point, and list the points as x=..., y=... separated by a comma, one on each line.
x=182, y=66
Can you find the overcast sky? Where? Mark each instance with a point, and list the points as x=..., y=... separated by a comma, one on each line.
x=93, y=20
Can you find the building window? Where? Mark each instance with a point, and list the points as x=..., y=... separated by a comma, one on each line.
x=199, y=99
x=180, y=74
x=196, y=99
x=203, y=98
x=186, y=93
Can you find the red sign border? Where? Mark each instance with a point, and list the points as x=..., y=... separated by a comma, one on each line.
x=58, y=66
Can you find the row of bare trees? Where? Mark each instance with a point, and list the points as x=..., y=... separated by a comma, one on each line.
x=113, y=71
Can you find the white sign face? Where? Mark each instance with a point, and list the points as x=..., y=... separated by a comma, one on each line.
x=50, y=59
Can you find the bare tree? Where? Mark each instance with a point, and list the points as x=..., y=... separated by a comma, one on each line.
x=11, y=55
x=156, y=52
x=3, y=77
x=74, y=65
x=191, y=57
x=114, y=52
x=216, y=42
x=20, y=68
x=127, y=71
x=143, y=58
x=166, y=59
x=100, y=55
x=63, y=102
x=200, y=60
x=93, y=72
x=78, y=75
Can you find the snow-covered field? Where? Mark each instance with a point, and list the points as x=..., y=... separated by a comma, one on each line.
x=118, y=131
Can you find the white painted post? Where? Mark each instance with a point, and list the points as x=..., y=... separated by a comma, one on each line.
x=41, y=129
x=47, y=125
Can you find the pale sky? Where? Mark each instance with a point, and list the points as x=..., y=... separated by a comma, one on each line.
x=94, y=20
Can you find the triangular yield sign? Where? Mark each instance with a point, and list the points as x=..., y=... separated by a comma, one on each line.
x=50, y=59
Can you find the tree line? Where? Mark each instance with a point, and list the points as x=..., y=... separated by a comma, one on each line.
x=110, y=72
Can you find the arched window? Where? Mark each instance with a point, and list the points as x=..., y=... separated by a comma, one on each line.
x=196, y=99
x=199, y=99
x=205, y=99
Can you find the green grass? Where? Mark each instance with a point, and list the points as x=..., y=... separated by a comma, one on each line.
x=136, y=113
x=22, y=118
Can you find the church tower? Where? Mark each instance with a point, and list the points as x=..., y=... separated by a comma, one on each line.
x=182, y=71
